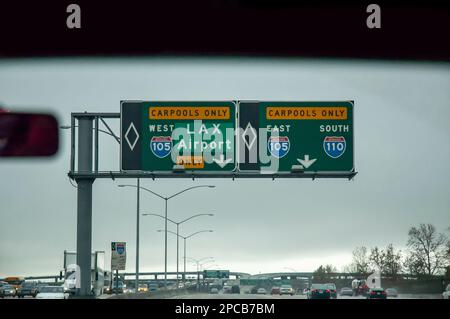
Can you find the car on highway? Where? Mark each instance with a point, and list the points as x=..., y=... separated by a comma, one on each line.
x=235, y=289
x=275, y=291
x=333, y=290
x=226, y=289
x=143, y=288
x=52, y=292
x=118, y=287
x=346, y=291
x=27, y=289
x=7, y=291
x=391, y=292
x=286, y=290
x=319, y=291
x=261, y=291
x=152, y=287
x=376, y=293
x=129, y=290
x=446, y=293
x=2, y=283
x=40, y=285
x=214, y=291
x=15, y=281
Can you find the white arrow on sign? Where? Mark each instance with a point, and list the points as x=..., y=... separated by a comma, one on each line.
x=222, y=161
x=306, y=162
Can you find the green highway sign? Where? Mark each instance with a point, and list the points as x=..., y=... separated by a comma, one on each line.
x=232, y=138
x=169, y=135
x=216, y=274
x=296, y=136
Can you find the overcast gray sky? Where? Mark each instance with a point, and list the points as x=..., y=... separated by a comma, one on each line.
x=402, y=153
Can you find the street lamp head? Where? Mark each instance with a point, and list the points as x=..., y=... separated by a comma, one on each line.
x=211, y=186
x=121, y=185
x=65, y=127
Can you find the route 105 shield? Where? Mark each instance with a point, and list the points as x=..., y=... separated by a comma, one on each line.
x=161, y=146
x=334, y=146
x=278, y=146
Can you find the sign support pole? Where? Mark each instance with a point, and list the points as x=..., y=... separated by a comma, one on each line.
x=178, y=239
x=184, y=275
x=84, y=205
x=165, y=247
x=117, y=280
x=137, y=237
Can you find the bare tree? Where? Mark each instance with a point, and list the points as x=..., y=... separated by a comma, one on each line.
x=414, y=264
x=349, y=268
x=428, y=250
x=387, y=261
x=392, y=261
x=324, y=273
x=376, y=259
x=360, y=260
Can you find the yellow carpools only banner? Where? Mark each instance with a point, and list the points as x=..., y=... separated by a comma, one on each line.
x=306, y=113
x=189, y=112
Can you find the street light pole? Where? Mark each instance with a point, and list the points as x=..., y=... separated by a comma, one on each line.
x=165, y=247
x=137, y=236
x=184, y=275
x=178, y=240
x=166, y=199
x=178, y=234
x=186, y=237
x=197, y=262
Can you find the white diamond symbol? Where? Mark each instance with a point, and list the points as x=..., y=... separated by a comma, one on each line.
x=132, y=145
x=252, y=141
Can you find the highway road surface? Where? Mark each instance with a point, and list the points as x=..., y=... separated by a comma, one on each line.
x=247, y=296
x=268, y=296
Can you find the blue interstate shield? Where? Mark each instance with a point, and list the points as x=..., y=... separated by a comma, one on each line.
x=334, y=146
x=278, y=146
x=120, y=249
x=161, y=146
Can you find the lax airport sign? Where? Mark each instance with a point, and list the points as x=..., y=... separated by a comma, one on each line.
x=254, y=137
x=163, y=136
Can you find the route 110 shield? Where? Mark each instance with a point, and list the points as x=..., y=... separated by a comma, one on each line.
x=334, y=146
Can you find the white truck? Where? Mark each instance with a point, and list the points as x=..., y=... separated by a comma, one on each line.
x=446, y=293
x=71, y=272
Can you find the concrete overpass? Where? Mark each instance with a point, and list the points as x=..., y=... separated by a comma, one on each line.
x=236, y=275
x=156, y=275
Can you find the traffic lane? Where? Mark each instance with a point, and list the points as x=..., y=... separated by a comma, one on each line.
x=400, y=296
x=246, y=296
x=267, y=296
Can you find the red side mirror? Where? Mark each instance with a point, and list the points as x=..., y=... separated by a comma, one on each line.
x=28, y=135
